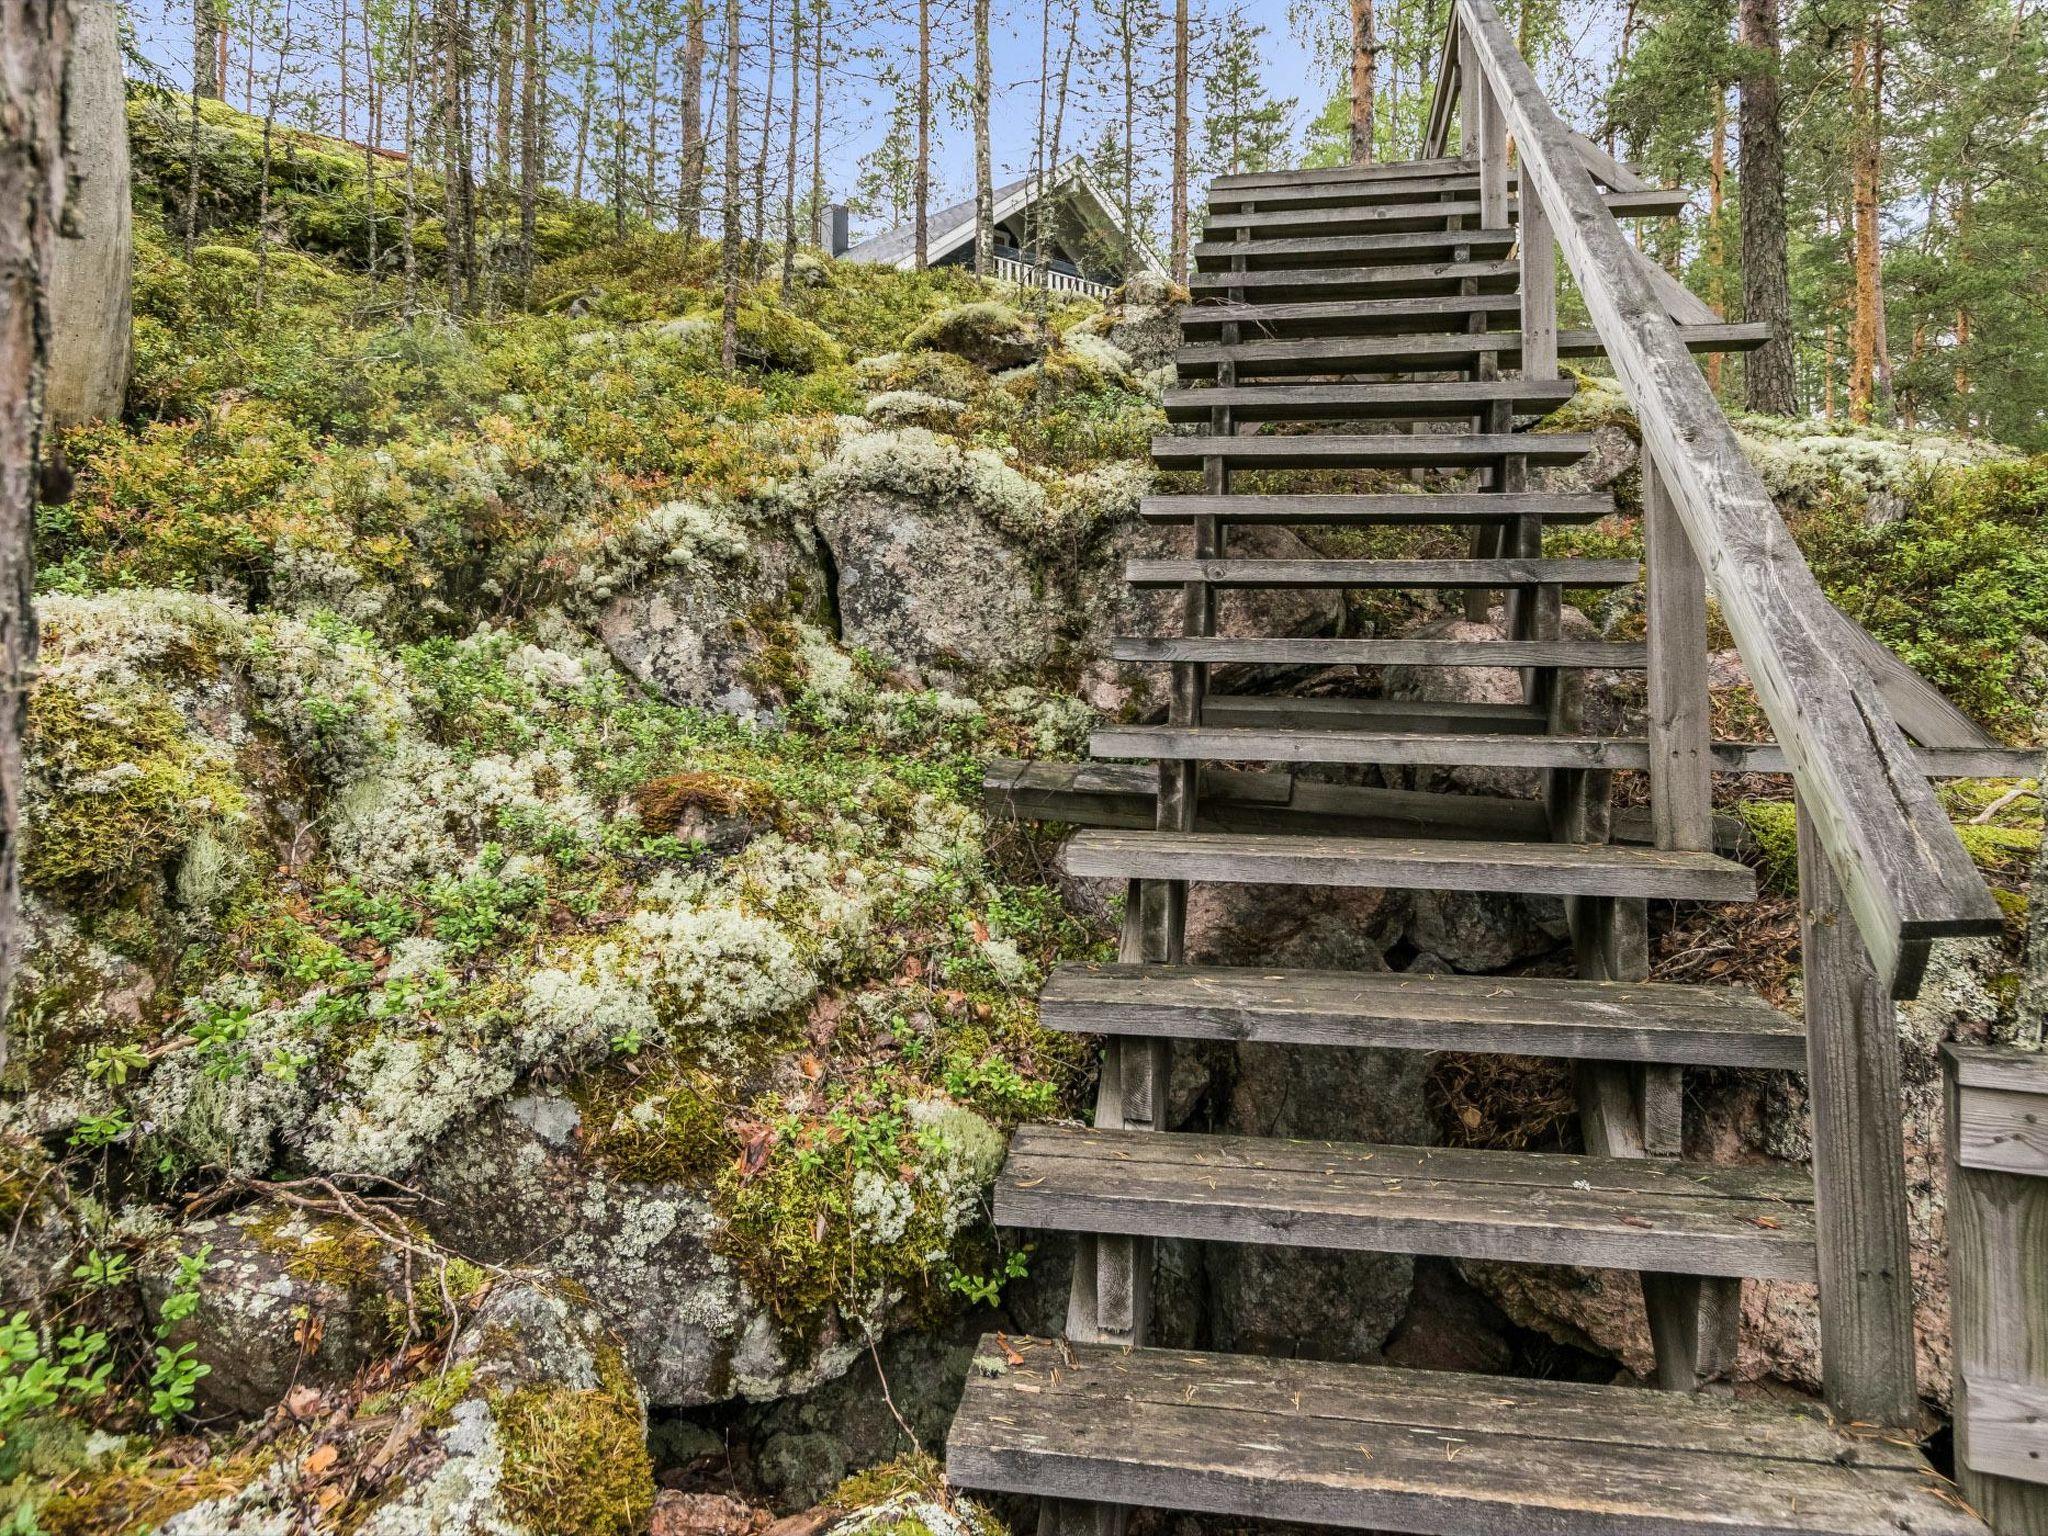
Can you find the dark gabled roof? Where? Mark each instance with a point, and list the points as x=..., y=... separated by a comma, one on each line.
x=893, y=246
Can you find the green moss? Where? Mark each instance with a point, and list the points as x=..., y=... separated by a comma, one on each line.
x=663, y=1124
x=24, y=1171
x=125, y=787
x=919, y=1473
x=986, y=333
x=576, y=1462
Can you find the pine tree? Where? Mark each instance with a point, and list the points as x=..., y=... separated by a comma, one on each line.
x=1243, y=128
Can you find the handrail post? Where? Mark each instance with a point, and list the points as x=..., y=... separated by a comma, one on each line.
x=1681, y=749
x=1493, y=153
x=1859, y=1159
x=1539, y=288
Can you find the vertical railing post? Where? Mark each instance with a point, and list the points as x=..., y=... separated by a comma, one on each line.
x=1539, y=288
x=1859, y=1162
x=1493, y=154
x=1998, y=1280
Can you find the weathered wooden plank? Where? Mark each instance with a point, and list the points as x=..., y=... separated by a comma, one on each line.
x=1907, y=877
x=1392, y=170
x=1386, y=715
x=1539, y=293
x=1382, y=573
x=1360, y=281
x=1312, y=651
x=1394, y=507
x=2003, y=1130
x=1536, y=1016
x=1348, y=317
x=1917, y=705
x=1680, y=732
x=1853, y=1076
x=1393, y=354
x=1680, y=303
x=1436, y=400
x=1535, y=870
x=1337, y=450
x=1657, y=202
x=1252, y=744
x=1450, y=1202
x=1608, y=171
x=1998, y=1280
x=1419, y=245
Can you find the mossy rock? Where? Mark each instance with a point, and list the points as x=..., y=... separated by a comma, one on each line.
x=995, y=336
x=769, y=338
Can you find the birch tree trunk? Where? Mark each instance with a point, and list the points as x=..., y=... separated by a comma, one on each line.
x=984, y=176
x=35, y=53
x=90, y=275
x=796, y=64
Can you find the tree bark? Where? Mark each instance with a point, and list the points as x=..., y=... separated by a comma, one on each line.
x=690, y=188
x=89, y=278
x=1770, y=383
x=796, y=86
x=530, y=168
x=984, y=176
x=35, y=54
x=922, y=244
x=761, y=158
x=729, y=255
x=1179, y=240
x=1364, y=70
x=1863, y=177
x=823, y=9
x=1717, y=199
x=209, y=34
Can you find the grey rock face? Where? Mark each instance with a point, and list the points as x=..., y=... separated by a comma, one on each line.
x=286, y=1298
x=691, y=1331
x=692, y=633
x=936, y=591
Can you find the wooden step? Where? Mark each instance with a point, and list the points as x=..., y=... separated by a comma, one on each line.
x=1352, y=317
x=1312, y=651
x=1656, y=202
x=1435, y=1453
x=1517, y=1016
x=1369, y=450
x=1395, y=508
x=1478, y=575
x=1471, y=749
x=1418, y=187
x=1536, y=869
x=1103, y=794
x=1387, y=716
x=1432, y=400
x=1287, y=284
x=1392, y=248
x=1388, y=170
x=1431, y=354
x=1450, y=1202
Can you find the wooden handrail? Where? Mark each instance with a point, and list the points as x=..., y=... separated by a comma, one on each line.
x=1905, y=873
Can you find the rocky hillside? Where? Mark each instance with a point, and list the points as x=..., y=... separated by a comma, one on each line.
x=524, y=1000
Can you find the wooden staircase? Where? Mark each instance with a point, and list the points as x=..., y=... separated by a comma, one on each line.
x=1377, y=295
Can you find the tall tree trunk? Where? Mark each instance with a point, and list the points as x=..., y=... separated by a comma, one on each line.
x=922, y=243
x=796, y=65
x=1053, y=141
x=729, y=254
x=1962, y=247
x=209, y=35
x=1863, y=178
x=821, y=9
x=618, y=127
x=505, y=57
x=587, y=107
x=650, y=193
x=1127, y=40
x=1886, y=402
x=409, y=224
x=761, y=155
x=1365, y=58
x=690, y=187
x=1717, y=246
x=530, y=168
x=341, y=58
x=984, y=175
x=1770, y=382
x=1180, y=142
x=35, y=53
x=454, y=149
